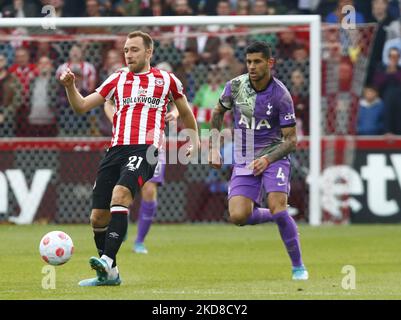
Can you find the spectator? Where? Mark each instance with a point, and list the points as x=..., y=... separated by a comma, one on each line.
x=165, y=50
x=345, y=75
x=6, y=47
x=388, y=80
x=306, y=6
x=154, y=9
x=298, y=60
x=106, y=8
x=9, y=94
x=58, y=6
x=300, y=54
x=207, y=95
x=223, y=8
x=50, y=49
x=113, y=62
x=388, y=77
x=93, y=9
x=284, y=6
x=5, y=83
x=260, y=7
x=348, y=36
x=128, y=7
x=394, y=9
x=325, y=7
x=242, y=8
x=205, y=45
x=381, y=17
x=377, y=11
x=181, y=8
x=394, y=29
x=331, y=47
x=20, y=9
x=287, y=42
x=43, y=93
x=370, y=113
x=228, y=63
x=85, y=80
x=337, y=15
x=25, y=72
x=388, y=46
x=224, y=31
x=191, y=73
x=85, y=71
x=207, y=7
x=300, y=95
x=70, y=8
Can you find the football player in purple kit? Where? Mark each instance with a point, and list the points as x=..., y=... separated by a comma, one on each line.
x=264, y=115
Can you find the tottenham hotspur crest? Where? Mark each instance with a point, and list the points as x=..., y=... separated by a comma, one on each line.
x=269, y=111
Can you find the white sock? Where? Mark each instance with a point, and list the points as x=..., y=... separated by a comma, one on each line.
x=113, y=273
x=108, y=260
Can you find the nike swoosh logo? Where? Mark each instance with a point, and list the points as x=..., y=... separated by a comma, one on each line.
x=281, y=184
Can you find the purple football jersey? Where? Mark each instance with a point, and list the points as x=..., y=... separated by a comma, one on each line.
x=258, y=116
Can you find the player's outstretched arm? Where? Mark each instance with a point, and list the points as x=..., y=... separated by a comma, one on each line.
x=188, y=118
x=79, y=103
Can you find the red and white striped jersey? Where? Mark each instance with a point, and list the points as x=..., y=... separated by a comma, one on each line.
x=140, y=101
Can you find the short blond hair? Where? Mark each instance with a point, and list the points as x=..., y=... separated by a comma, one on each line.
x=147, y=39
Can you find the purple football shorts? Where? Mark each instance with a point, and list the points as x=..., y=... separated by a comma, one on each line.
x=276, y=178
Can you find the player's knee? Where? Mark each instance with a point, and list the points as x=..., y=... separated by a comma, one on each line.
x=99, y=218
x=277, y=207
x=238, y=216
x=121, y=196
x=277, y=202
x=149, y=191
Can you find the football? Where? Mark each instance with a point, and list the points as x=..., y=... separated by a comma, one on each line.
x=56, y=248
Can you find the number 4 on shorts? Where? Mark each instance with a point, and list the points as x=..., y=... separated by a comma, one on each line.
x=280, y=174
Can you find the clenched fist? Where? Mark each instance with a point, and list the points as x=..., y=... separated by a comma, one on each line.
x=67, y=78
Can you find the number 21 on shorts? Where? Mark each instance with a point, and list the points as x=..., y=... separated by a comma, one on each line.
x=134, y=163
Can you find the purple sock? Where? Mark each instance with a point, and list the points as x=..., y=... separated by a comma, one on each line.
x=289, y=234
x=259, y=215
x=146, y=213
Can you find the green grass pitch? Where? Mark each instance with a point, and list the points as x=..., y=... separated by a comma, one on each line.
x=211, y=261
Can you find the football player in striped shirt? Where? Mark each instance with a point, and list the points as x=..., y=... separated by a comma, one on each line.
x=148, y=206
x=141, y=94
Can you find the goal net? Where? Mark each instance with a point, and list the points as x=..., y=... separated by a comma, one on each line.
x=39, y=131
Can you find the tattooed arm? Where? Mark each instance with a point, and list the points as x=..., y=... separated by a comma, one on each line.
x=218, y=116
x=287, y=146
x=214, y=156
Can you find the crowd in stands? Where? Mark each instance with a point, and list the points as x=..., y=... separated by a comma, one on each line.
x=32, y=103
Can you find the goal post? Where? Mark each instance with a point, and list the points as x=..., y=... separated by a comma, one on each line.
x=311, y=21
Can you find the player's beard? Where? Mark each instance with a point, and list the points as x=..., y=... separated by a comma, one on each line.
x=260, y=76
x=138, y=67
